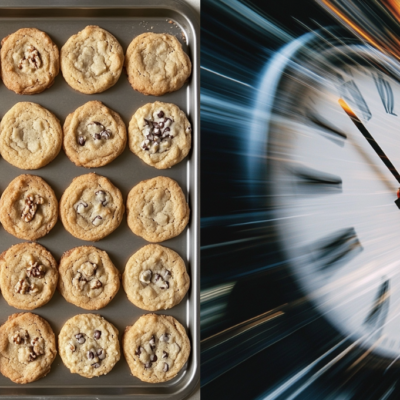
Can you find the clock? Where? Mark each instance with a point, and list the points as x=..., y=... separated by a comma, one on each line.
x=333, y=151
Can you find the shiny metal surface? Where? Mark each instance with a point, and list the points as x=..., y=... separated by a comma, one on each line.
x=125, y=20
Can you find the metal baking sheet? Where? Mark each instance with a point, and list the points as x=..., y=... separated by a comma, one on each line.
x=125, y=20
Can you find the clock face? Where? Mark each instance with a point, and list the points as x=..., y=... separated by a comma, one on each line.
x=334, y=197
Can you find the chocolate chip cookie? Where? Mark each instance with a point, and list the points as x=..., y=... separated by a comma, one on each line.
x=28, y=276
x=88, y=278
x=155, y=278
x=157, y=209
x=156, y=64
x=27, y=348
x=156, y=348
x=91, y=207
x=30, y=136
x=89, y=345
x=29, y=61
x=94, y=135
x=160, y=134
x=28, y=207
x=92, y=60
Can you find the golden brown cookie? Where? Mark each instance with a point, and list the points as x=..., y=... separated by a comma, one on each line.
x=156, y=64
x=88, y=278
x=91, y=207
x=156, y=348
x=27, y=348
x=160, y=134
x=94, y=135
x=28, y=276
x=29, y=61
x=155, y=278
x=89, y=345
x=157, y=209
x=30, y=136
x=92, y=60
x=28, y=207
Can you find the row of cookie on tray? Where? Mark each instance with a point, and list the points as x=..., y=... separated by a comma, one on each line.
x=94, y=135
x=154, y=278
x=156, y=347
x=92, y=60
x=92, y=207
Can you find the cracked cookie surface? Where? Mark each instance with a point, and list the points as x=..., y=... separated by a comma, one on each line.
x=160, y=134
x=88, y=278
x=28, y=276
x=29, y=61
x=28, y=207
x=92, y=60
x=94, y=135
x=91, y=207
x=30, y=136
x=155, y=278
x=89, y=345
x=156, y=64
x=156, y=348
x=157, y=209
x=27, y=348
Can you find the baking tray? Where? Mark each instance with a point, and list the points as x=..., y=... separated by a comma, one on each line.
x=125, y=20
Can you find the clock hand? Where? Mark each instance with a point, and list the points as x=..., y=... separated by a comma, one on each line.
x=371, y=141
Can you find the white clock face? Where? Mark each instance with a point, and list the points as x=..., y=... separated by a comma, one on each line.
x=334, y=200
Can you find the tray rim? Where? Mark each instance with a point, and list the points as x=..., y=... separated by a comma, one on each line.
x=193, y=20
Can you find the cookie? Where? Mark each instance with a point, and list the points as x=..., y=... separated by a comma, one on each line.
x=155, y=278
x=92, y=60
x=156, y=64
x=157, y=209
x=28, y=208
x=160, y=134
x=156, y=348
x=91, y=207
x=30, y=136
x=89, y=345
x=30, y=61
x=28, y=276
x=94, y=135
x=27, y=348
x=88, y=278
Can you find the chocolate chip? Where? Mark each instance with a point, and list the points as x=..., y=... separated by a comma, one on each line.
x=148, y=364
x=90, y=355
x=96, y=123
x=164, y=337
x=166, y=130
x=153, y=358
x=97, y=136
x=166, y=367
x=156, y=277
x=97, y=334
x=150, y=137
x=101, y=354
x=81, y=340
x=165, y=285
x=81, y=140
x=97, y=220
x=160, y=114
x=161, y=125
x=145, y=276
x=96, y=365
x=78, y=335
x=164, y=354
x=106, y=134
x=138, y=351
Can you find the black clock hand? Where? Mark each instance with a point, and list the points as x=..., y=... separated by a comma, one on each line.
x=371, y=141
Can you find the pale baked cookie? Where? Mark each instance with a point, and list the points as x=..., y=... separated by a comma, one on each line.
x=157, y=209
x=29, y=61
x=89, y=345
x=27, y=348
x=91, y=207
x=156, y=64
x=92, y=60
x=94, y=135
x=30, y=136
x=88, y=278
x=160, y=134
x=156, y=348
x=28, y=207
x=28, y=276
x=155, y=278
